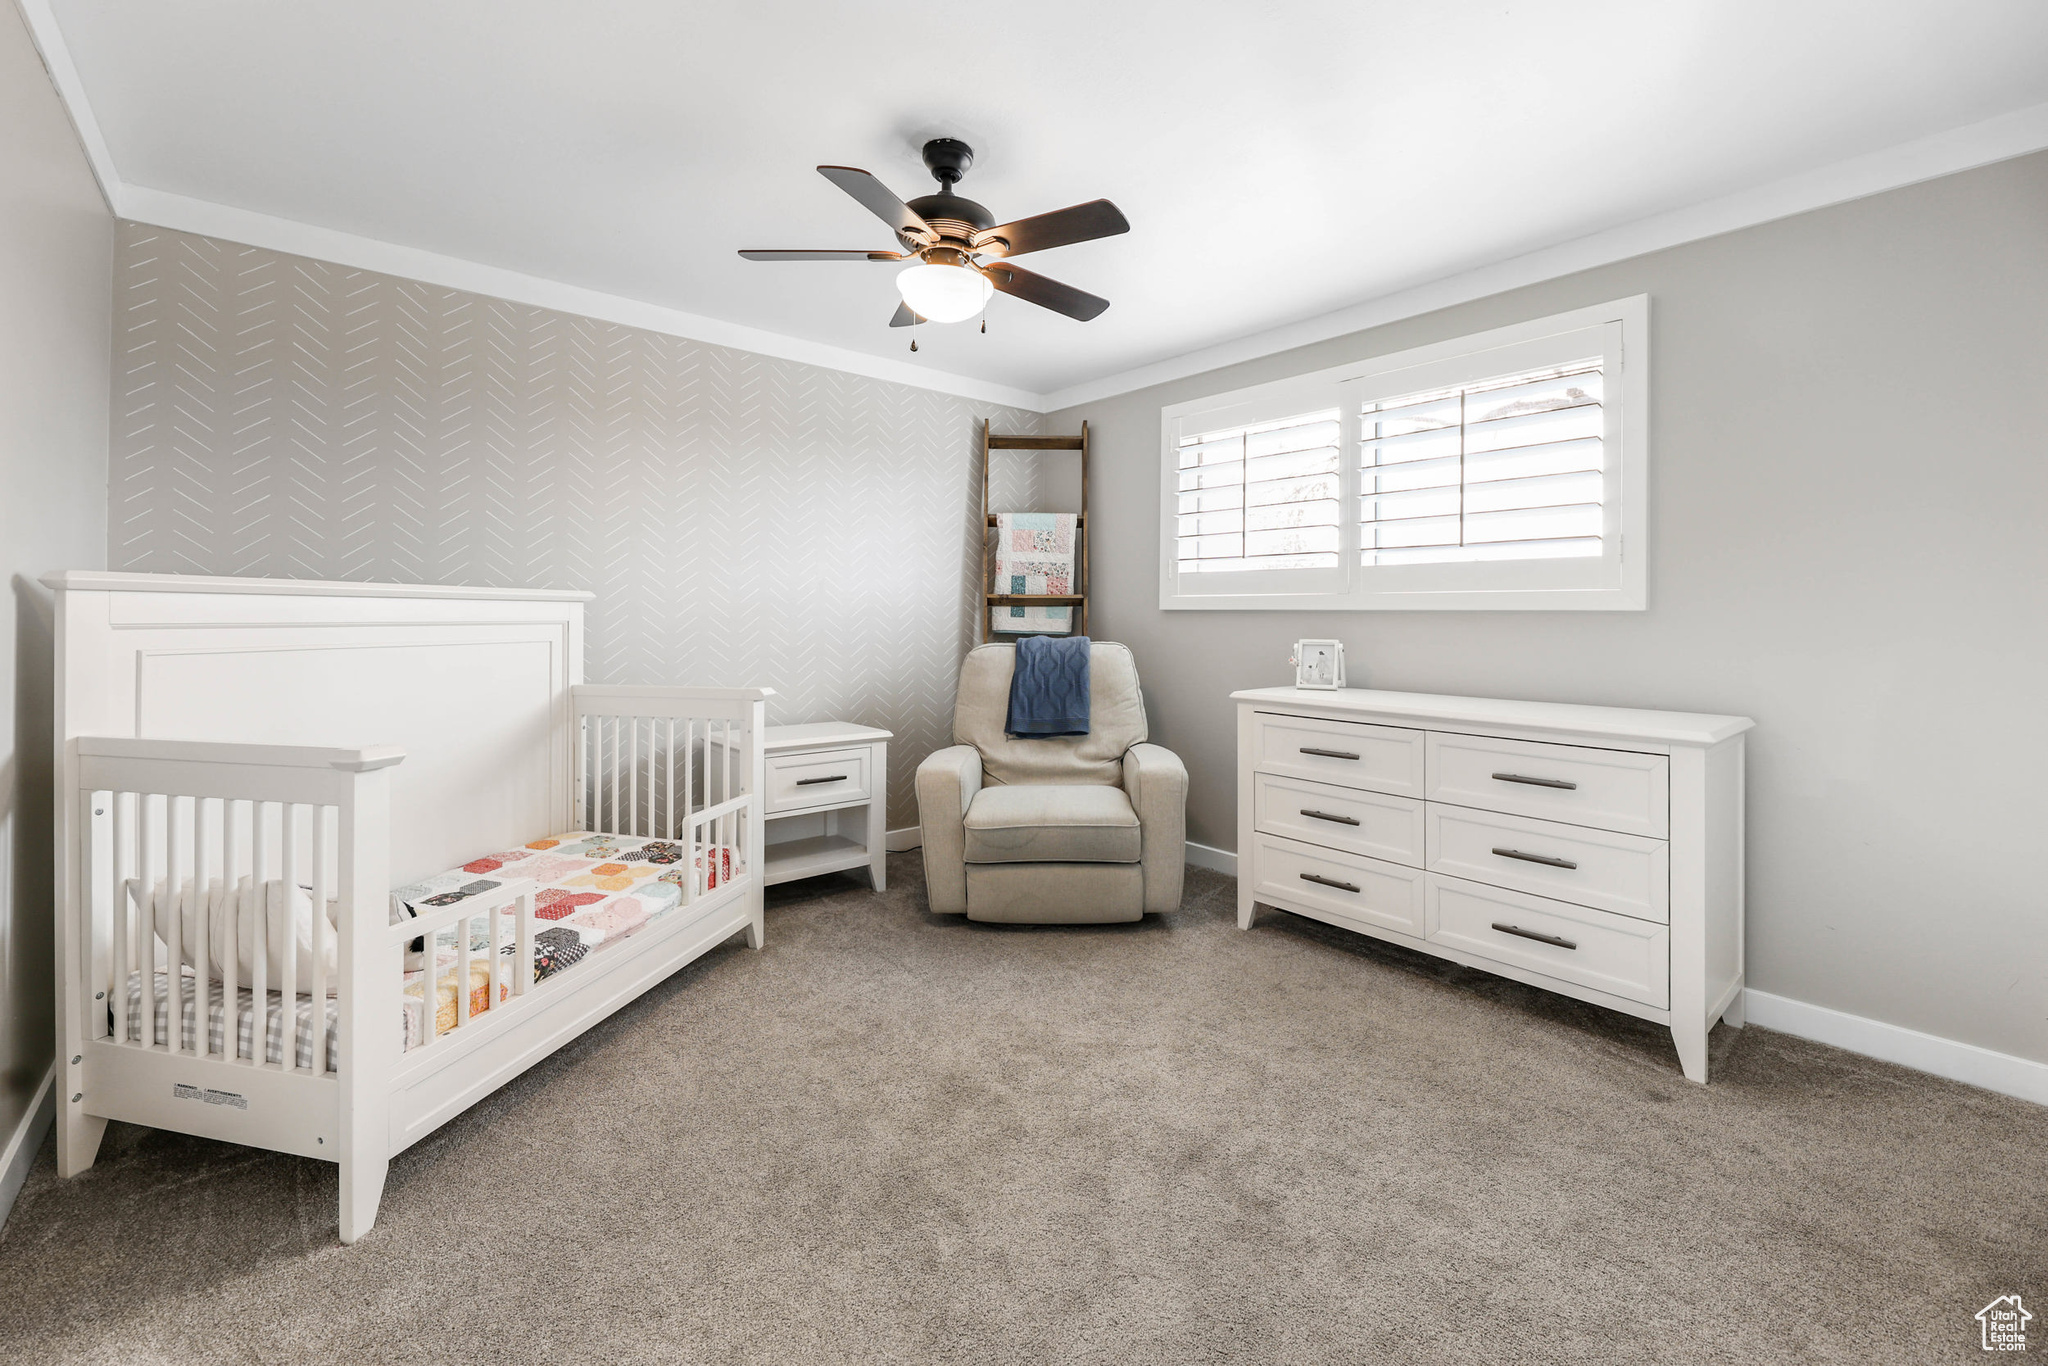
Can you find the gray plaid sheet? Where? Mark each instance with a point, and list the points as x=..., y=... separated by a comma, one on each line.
x=245, y=1021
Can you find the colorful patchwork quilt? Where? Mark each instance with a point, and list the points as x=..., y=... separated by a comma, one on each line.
x=1034, y=557
x=593, y=890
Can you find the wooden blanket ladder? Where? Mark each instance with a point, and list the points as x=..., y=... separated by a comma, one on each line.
x=1078, y=601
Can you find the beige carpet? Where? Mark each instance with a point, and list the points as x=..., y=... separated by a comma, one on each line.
x=895, y=1137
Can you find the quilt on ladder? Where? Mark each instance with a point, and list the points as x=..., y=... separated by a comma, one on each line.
x=1034, y=558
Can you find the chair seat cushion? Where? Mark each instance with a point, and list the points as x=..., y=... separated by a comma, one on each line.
x=1060, y=823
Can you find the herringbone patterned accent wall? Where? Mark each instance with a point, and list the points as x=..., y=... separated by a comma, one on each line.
x=742, y=520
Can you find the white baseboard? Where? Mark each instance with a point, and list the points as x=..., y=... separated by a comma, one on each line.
x=909, y=837
x=26, y=1140
x=1908, y=1047
x=1208, y=856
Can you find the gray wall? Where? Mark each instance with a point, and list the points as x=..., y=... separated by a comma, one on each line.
x=742, y=520
x=56, y=261
x=1849, y=513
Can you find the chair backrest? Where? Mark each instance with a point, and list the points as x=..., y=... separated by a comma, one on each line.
x=1116, y=720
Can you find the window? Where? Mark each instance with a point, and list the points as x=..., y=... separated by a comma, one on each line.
x=1504, y=470
x=1260, y=497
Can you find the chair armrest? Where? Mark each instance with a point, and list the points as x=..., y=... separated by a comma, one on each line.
x=946, y=783
x=1156, y=781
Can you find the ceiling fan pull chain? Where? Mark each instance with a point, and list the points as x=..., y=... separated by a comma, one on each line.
x=913, y=343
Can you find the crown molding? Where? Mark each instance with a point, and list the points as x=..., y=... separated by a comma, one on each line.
x=48, y=40
x=1960, y=149
x=185, y=214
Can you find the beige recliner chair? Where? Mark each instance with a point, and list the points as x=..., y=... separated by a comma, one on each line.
x=1062, y=830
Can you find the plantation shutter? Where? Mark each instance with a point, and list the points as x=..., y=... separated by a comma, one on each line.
x=1260, y=497
x=1506, y=468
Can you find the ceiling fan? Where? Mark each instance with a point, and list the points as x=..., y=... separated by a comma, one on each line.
x=961, y=253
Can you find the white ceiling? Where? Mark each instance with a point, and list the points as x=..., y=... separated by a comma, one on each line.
x=1277, y=161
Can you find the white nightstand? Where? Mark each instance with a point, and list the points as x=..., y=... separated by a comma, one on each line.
x=827, y=800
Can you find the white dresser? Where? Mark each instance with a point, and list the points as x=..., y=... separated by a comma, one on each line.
x=1594, y=851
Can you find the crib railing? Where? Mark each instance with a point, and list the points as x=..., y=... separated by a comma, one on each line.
x=672, y=763
x=211, y=856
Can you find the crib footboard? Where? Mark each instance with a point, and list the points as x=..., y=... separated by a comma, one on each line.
x=683, y=764
x=197, y=958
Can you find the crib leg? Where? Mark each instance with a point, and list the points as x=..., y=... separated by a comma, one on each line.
x=78, y=1137
x=362, y=1186
x=757, y=917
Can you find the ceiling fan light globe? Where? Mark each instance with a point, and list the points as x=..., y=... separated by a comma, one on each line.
x=944, y=294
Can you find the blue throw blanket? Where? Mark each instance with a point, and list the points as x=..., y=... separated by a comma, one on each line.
x=1049, y=687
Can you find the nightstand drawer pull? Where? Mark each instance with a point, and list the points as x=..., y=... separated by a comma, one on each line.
x=1536, y=782
x=1330, y=882
x=1326, y=816
x=1535, y=935
x=1329, y=753
x=835, y=778
x=1544, y=859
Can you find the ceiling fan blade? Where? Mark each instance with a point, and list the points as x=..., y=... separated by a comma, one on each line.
x=823, y=255
x=1081, y=223
x=904, y=317
x=1078, y=304
x=879, y=200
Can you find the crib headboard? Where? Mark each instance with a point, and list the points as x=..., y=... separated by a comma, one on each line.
x=473, y=683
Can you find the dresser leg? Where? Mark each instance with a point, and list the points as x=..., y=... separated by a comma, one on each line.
x=1247, y=909
x=1692, y=1049
x=1733, y=1016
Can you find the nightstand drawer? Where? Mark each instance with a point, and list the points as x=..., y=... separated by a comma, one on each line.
x=1347, y=753
x=1388, y=895
x=796, y=781
x=1626, y=874
x=1358, y=822
x=1611, y=789
x=1611, y=953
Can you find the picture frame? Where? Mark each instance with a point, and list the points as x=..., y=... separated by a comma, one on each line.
x=1318, y=664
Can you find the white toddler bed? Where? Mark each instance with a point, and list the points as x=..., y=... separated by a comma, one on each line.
x=335, y=861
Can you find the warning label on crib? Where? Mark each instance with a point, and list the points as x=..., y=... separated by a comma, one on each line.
x=210, y=1096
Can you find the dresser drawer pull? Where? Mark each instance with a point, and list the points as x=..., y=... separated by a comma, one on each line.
x=1543, y=859
x=1535, y=782
x=1326, y=816
x=835, y=778
x=1535, y=935
x=1328, y=753
x=1329, y=882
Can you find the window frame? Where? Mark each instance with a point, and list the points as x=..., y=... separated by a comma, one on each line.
x=1617, y=580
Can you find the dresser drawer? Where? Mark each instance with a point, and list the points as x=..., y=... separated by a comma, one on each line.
x=1358, y=822
x=1612, y=953
x=1375, y=892
x=825, y=778
x=1627, y=874
x=1610, y=789
x=1348, y=753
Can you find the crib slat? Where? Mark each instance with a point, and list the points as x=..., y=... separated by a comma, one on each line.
x=259, y=945
x=686, y=834
x=232, y=853
x=124, y=914
x=615, y=776
x=462, y=932
x=174, y=887
x=669, y=805
x=323, y=893
x=207, y=951
x=632, y=776
x=288, y=994
x=497, y=947
x=430, y=991
x=522, y=976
